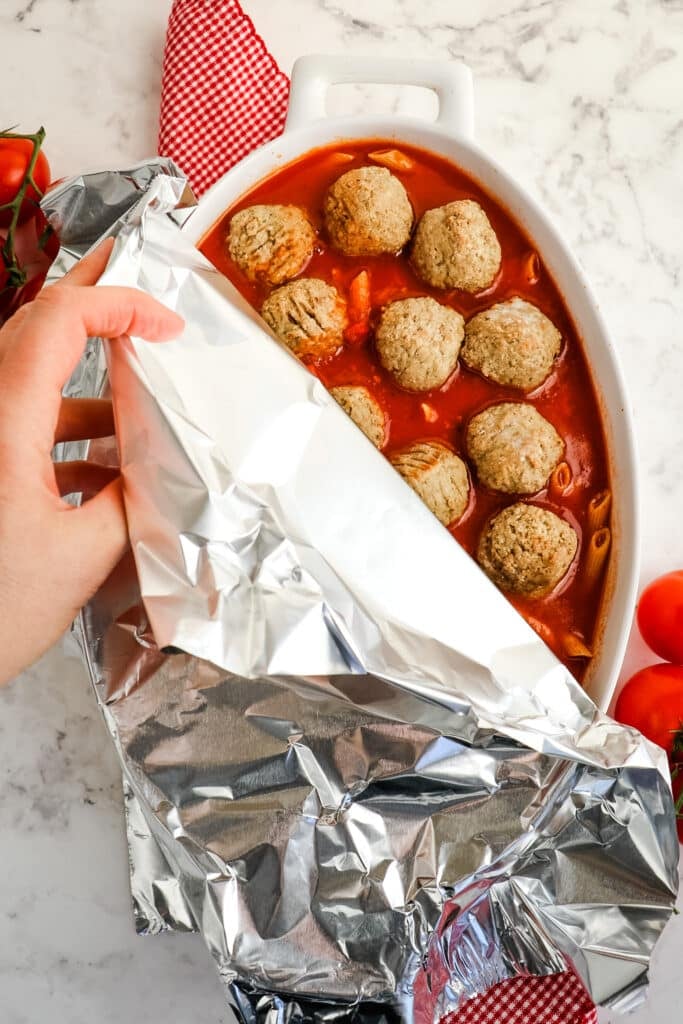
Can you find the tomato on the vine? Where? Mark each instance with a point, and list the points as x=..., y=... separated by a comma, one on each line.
x=660, y=616
x=15, y=156
x=652, y=702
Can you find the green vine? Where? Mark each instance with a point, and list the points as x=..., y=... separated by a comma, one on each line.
x=676, y=770
x=677, y=743
x=16, y=275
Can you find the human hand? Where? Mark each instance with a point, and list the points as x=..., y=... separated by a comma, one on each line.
x=53, y=557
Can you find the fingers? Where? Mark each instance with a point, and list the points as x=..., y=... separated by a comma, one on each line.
x=98, y=533
x=60, y=320
x=86, y=478
x=49, y=338
x=111, y=311
x=81, y=419
x=90, y=268
x=86, y=272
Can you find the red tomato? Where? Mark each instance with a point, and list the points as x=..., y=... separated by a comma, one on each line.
x=15, y=155
x=652, y=702
x=660, y=616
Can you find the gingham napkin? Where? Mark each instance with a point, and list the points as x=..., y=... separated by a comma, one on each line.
x=223, y=95
x=557, y=999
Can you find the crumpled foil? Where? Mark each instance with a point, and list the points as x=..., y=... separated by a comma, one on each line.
x=347, y=761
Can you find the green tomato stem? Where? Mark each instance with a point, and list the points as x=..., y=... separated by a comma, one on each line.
x=37, y=141
x=676, y=770
x=17, y=275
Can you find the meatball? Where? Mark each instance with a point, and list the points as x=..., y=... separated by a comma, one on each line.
x=526, y=549
x=456, y=247
x=418, y=341
x=514, y=449
x=271, y=244
x=366, y=413
x=512, y=343
x=367, y=212
x=438, y=476
x=308, y=315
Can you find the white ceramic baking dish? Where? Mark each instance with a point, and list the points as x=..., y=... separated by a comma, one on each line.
x=451, y=135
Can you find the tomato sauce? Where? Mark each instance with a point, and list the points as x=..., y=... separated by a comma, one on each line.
x=567, y=399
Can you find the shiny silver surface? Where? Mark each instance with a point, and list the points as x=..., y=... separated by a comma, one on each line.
x=362, y=777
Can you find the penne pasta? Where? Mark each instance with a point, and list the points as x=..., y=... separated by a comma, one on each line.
x=544, y=631
x=598, y=510
x=566, y=645
x=532, y=268
x=596, y=555
x=359, y=296
x=560, y=482
x=394, y=159
x=340, y=158
x=574, y=646
x=358, y=328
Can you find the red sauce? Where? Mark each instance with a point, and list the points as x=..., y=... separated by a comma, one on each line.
x=567, y=398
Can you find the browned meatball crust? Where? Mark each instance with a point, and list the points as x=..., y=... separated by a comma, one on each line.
x=514, y=449
x=367, y=212
x=271, y=244
x=366, y=413
x=418, y=341
x=512, y=343
x=308, y=315
x=527, y=550
x=438, y=476
x=456, y=247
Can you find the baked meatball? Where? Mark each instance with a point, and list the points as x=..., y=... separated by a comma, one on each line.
x=456, y=247
x=271, y=244
x=514, y=449
x=512, y=343
x=367, y=212
x=418, y=341
x=438, y=476
x=526, y=549
x=366, y=413
x=308, y=315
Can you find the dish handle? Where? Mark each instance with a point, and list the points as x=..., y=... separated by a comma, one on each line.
x=313, y=76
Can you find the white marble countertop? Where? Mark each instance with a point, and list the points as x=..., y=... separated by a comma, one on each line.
x=582, y=102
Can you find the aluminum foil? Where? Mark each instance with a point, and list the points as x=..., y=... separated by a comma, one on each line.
x=348, y=762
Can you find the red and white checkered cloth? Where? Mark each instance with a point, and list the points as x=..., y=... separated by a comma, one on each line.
x=556, y=999
x=222, y=96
